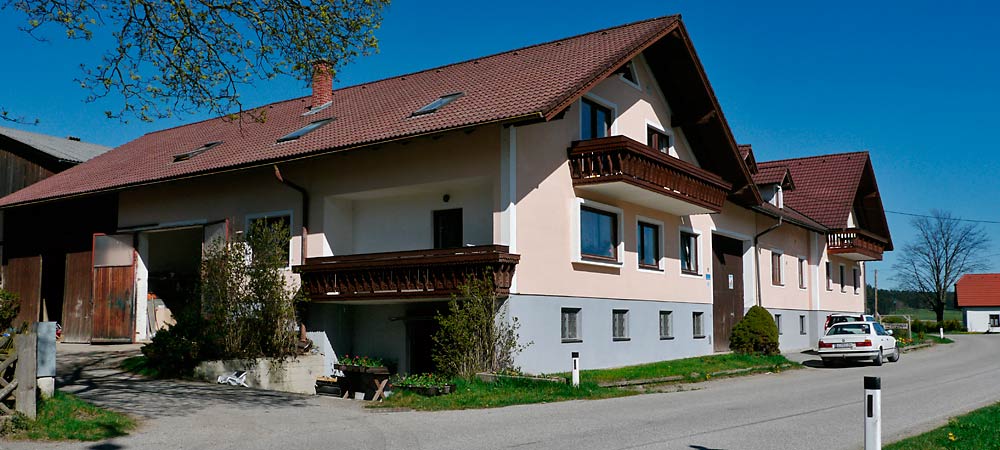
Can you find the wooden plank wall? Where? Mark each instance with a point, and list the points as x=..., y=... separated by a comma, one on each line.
x=114, y=300
x=17, y=172
x=77, y=306
x=23, y=276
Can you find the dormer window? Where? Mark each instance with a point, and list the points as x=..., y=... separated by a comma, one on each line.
x=628, y=74
x=195, y=152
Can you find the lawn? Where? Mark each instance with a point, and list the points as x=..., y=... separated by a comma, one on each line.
x=926, y=314
x=692, y=369
x=973, y=431
x=479, y=394
x=64, y=417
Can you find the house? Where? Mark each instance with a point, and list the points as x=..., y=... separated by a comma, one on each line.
x=27, y=158
x=978, y=294
x=594, y=180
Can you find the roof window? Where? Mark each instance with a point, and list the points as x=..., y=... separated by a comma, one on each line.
x=317, y=109
x=195, y=152
x=304, y=130
x=437, y=104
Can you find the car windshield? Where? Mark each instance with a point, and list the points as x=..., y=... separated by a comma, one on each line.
x=842, y=319
x=850, y=328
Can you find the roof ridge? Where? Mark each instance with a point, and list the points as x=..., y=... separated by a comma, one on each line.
x=50, y=136
x=825, y=155
x=408, y=74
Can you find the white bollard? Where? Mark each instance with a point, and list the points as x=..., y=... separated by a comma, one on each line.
x=941, y=332
x=873, y=413
x=576, y=369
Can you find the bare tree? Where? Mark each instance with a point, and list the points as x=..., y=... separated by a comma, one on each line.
x=172, y=56
x=945, y=249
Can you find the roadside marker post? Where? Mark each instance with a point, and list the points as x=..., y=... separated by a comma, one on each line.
x=576, y=369
x=941, y=332
x=873, y=413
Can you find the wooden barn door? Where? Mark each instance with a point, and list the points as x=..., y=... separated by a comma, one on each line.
x=727, y=299
x=78, y=305
x=24, y=278
x=114, y=288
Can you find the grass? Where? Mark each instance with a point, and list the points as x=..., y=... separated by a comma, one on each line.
x=973, y=431
x=926, y=314
x=66, y=417
x=478, y=394
x=692, y=369
x=139, y=365
x=938, y=340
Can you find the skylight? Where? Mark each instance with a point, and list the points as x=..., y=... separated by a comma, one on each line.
x=437, y=104
x=304, y=130
x=317, y=109
x=195, y=152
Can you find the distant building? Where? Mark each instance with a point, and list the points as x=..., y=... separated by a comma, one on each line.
x=978, y=295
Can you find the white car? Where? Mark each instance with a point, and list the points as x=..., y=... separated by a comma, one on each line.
x=858, y=341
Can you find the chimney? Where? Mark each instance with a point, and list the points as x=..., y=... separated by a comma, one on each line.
x=322, y=83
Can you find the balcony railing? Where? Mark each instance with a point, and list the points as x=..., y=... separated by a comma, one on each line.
x=434, y=273
x=855, y=244
x=618, y=159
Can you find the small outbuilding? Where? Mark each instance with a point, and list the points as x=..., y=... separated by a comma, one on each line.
x=978, y=295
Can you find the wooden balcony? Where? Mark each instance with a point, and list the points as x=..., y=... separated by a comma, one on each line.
x=419, y=274
x=855, y=244
x=622, y=168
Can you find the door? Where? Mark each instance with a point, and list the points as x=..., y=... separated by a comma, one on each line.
x=114, y=288
x=448, y=228
x=727, y=288
x=77, y=305
x=23, y=276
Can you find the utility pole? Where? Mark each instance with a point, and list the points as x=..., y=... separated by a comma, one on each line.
x=876, y=294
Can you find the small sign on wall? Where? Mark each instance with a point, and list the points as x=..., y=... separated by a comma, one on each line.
x=730, y=281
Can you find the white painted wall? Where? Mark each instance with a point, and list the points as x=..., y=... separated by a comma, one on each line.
x=978, y=319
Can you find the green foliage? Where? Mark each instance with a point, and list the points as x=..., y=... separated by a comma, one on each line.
x=974, y=431
x=693, y=369
x=475, y=335
x=10, y=305
x=175, y=351
x=420, y=379
x=474, y=394
x=173, y=56
x=921, y=326
x=64, y=416
x=363, y=361
x=755, y=334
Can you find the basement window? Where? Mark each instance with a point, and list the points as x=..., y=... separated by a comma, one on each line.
x=196, y=152
x=437, y=104
x=304, y=130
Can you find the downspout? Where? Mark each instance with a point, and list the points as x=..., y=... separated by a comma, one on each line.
x=305, y=235
x=756, y=253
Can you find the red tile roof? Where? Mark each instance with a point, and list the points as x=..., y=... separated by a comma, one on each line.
x=825, y=185
x=978, y=290
x=537, y=81
x=772, y=175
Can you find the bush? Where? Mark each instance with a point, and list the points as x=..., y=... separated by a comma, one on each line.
x=175, y=351
x=10, y=305
x=953, y=325
x=755, y=334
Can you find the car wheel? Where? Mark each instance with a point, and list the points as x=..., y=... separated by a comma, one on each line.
x=878, y=359
x=895, y=355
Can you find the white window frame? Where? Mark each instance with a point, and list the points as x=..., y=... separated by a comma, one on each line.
x=291, y=227
x=698, y=321
x=781, y=267
x=803, y=272
x=670, y=324
x=579, y=325
x=600, y=101
x=699, y=244
x=577, y=256
x=625, y=325
x=660, y=262
x=635, y=74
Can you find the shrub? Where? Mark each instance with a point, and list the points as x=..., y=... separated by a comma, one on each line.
x=755, y=334
x=10, y=305
x=175, y=351
x=953, y=325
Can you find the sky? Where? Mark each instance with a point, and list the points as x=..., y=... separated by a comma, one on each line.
x=916, y=83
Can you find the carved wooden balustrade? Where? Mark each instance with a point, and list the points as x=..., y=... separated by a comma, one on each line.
x=855, y=243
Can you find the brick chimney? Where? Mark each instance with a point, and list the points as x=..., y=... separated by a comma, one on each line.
x=322, y=83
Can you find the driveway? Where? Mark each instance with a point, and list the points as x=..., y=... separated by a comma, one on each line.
x=813, y=408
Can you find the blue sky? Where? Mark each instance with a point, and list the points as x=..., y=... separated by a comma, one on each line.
x=913, y=82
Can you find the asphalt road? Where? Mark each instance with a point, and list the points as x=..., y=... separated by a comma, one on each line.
x=812, y=408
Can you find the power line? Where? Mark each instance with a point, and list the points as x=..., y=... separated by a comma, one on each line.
x=995, y=222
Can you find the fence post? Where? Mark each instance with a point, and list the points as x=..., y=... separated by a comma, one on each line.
x=873, y=413
x=25, y=396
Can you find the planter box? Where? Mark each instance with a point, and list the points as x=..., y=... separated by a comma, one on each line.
x=294, y=375
x=380, y=370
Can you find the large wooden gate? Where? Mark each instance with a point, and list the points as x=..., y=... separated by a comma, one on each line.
x=24, y=278
x=727, y=298
x=114, y=289
x=77, y=305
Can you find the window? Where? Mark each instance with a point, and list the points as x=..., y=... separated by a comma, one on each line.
x=598, y=234
x=280, y=221
x=842, y=288
x=658, y=140
x=448, y=228
x=856, y=276
x=802, y=324
x=667, y=325
x=619, y=324
x=777, y=321
x=595, y=120
x=802, y=273
x=627, y=72
x=649, y=246
x=304, y=130
x=994, y=320
x=437, y=104
x=571, y=325
x=698, y=324
x=777, y=274
x=195, y=152
x=829, y=276
x=689, y=253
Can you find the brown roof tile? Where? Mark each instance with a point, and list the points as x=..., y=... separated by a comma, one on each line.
x=825, y=185
x=981, y=289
